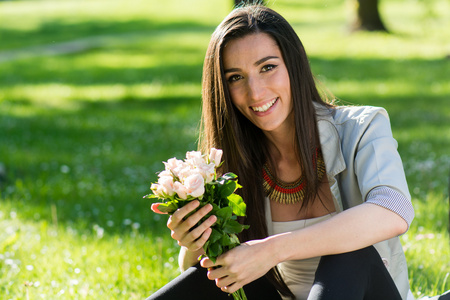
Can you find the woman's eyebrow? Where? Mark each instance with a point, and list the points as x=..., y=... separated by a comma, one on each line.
x=262, y=60
x=231, y=70
x=257, y=63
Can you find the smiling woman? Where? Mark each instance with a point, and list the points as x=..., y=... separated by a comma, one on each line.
x=262, y=107
x=259, y=87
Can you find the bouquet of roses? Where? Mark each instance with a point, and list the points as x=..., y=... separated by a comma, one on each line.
x=196, y=178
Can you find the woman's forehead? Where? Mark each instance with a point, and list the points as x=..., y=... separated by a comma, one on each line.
x=249, y=49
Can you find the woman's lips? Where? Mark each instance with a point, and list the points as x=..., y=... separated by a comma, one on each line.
x=265, y=107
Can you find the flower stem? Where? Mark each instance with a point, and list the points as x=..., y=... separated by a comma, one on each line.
x=239, y=295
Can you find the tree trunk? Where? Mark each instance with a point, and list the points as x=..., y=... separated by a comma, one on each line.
x=367, y=16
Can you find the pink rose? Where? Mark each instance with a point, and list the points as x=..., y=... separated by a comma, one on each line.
x=215, y=155
x=195, y=185
x=180, y=189
x=166, y=182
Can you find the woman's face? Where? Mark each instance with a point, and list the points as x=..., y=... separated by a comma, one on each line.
x=258, y=81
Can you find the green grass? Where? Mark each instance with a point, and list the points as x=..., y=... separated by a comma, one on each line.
x=83, y=133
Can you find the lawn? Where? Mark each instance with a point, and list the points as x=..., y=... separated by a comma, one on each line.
x=95, y=94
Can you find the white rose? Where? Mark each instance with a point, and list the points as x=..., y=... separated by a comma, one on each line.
x=195, y=158
x=174, y=166
x=157, y=189
x=165, y=173
x=195, y=185
x=166, y=182
x=180, y=189
x=184, y=172
x=171, y=163
x=208, y=171
x=215, y=155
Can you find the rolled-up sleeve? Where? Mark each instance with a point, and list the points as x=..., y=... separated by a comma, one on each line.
x=394, y=201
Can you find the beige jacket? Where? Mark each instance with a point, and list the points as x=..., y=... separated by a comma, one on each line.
x=360, y=154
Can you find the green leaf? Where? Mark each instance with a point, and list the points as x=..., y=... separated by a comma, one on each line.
x=229, y=176
x=214, y=250
x=224, y=213
x=169, y=207
x=226, y=240
x=237, y=204
x=227, y=188
x=215, y=236
x=233, y=227
x=235, y=239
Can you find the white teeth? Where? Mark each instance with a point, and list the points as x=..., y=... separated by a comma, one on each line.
x=265, y=107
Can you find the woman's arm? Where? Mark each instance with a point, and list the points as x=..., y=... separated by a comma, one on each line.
x=187, y=258
x=352, y=229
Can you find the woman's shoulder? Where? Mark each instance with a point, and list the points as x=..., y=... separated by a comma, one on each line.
x=353, y=118
x=354, y=121
x=357, y=114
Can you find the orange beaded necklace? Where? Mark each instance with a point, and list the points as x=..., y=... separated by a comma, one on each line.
x=289, y=193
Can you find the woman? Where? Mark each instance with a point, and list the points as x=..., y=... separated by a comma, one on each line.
x=322, y=183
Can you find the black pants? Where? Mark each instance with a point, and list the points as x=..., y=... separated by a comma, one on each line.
x=349, y=276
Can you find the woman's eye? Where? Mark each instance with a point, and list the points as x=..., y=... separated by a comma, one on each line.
x=268, y=68
x=234, y=78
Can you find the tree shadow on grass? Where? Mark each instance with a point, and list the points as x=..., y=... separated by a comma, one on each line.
x=54, y=32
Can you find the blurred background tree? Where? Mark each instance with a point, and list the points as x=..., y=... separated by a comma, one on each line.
x=367, y=16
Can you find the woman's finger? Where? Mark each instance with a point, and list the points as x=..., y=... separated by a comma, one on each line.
x=224, y=282
x=194, y=239
x=194, y=245
x=198, y=237
x=198, y=231
x=179, y=215
x=191, y=222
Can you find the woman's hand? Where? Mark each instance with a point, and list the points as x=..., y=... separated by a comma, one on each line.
x=185, y=231
x=190, y=237
x=241, y=265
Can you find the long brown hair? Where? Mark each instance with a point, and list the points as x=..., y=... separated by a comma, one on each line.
x=244, y=145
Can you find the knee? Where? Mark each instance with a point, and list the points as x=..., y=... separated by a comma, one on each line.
x=360, y=256
x=355, y=262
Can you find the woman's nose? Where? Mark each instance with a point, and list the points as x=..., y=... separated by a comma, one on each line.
x=256, y=88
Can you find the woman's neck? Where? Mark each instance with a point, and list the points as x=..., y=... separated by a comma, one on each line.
x=283, y=155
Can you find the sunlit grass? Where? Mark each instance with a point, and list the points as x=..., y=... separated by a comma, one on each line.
x=83, y=134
